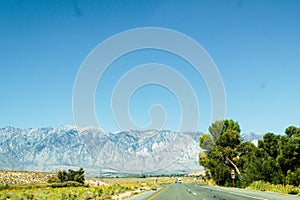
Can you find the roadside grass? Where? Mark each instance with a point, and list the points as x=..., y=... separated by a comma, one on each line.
x=264, y=186
x=69, y=191
x=137, y=180
x=18, y=185
x=24, y=186
x=81, y=192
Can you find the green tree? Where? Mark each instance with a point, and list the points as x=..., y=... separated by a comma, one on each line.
x=221, y=150
x=275, y=160
x=270, y=144
x=71, y=175
x=250, y=160
x=289, y=153
x=79, y=176
x=62, y=175
x=293, y=178
x=292, y=130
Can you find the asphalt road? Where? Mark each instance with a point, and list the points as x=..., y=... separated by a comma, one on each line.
x=204, y=192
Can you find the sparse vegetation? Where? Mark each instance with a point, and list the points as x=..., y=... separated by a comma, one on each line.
x=264, y=186
x=23, y=177
x=114, y=188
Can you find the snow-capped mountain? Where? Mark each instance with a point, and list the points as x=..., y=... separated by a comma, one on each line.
x=50, y=149
x=252, y=137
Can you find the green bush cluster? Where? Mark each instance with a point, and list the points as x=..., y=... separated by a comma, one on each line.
x=66, y=184
x=68, y=176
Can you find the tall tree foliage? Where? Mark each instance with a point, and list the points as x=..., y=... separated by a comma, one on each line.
x=276, y=159
x=221, y=150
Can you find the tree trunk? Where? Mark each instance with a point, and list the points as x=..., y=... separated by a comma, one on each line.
x=236, y=168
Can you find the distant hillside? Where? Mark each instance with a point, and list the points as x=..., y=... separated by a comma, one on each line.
x=50, y=149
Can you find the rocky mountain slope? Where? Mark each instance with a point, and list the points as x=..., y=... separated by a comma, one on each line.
x=253, y=137
x=50, y=149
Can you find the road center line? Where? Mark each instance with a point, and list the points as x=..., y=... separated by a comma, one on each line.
x=157, y=193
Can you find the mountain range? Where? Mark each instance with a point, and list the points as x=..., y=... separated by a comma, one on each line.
x=98, y=151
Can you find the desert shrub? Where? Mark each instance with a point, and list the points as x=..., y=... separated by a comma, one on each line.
x=53, y=179
x=69, y=196
x=71, y=175
x=66, y=184
x=87, y=196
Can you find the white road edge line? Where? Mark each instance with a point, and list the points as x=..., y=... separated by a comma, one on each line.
x=244, y=195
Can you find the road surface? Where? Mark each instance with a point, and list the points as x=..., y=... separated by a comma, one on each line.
x=204, y=192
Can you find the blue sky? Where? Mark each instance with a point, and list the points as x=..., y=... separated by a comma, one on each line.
x=255, y=44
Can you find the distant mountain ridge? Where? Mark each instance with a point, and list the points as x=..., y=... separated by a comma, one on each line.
x=49, y=149
x=63, y=147
x=252, y=137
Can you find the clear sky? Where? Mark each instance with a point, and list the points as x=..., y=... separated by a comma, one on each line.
x=255, y=45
